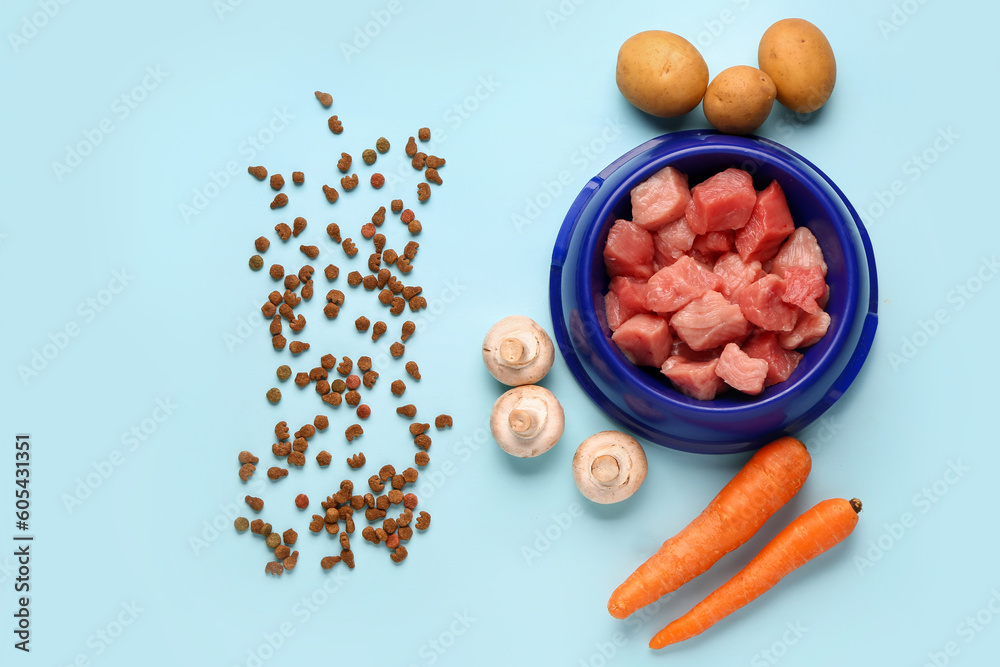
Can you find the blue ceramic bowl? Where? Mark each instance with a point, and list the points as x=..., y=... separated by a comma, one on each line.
x=642, y=399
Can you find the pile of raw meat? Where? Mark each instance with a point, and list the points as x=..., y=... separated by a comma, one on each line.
x=714, y=285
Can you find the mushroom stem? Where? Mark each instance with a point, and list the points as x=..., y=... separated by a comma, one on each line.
x=528, y=417
x=517, y=349
x=605, y=470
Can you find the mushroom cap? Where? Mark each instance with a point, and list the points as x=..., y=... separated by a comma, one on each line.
x=609, y=467
x=527, y=420
x=517, y=351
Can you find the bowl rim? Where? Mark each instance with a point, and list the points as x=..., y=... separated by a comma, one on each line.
x=678, y=146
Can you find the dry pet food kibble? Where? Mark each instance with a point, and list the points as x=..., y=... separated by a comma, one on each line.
x=284, y=372
x=279, y=201
x=311, y=251
x=324, y=458
x=423, y=521
x=262, y=244
x=241, y=523
x=274, y=394
x=298, y=177
x=302, y=501
x=277, y=271
x=397, y=349
x=411, y=368
x=255, y=503
x=369, y=379
x=423, y=441
x=408, y=329
x=344, y=163
x=377, y=180
x=424, y=134
x=273, y=540
x=335, y=125
x=434, y=162
x=260, y=173
x=331, y=194
x=382, y=145
x=282, y=552
x=247, y=457
x=331, y=272
x=421, y=458
x=409, y=410
x=275, y=473
x=363, y=411
x=443, y=421
x=369, y=156
x=349, y=182
x=290, y=536
x=274, y=568
x=397, y=387
x=423, y=192
x=433, y=176
x=277, y=182
x=321, y=422
x=349, y=247
x=326, y=99
x=365, y=363
x=357, y=460
x=329, y=561
x=298, y=226
x=418, y=161
x=411, y=147
x=353, y=431
x=256, y=262
x=297, y=347
x=284, y=231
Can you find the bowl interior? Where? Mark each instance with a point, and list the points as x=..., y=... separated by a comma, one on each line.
x=810, y=205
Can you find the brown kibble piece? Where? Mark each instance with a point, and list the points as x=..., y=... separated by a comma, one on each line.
x=399, y=555
x=369, y=379
x=396, y=205
x=409, y=410
x=374, y=514
x=410, y=251
x=357, y=460
x=380, y=531
x=411, y=368
x=261, y=244
x=424, y=134
x=281, y=430
x=277, y=182
x=298, y=177
x=434, y=162
x=409, y=327
x=289, y=536
x=411, y=147
x=363, y=411
x=405, y=533
x=326, y=99
x=382, y=503
x=411, y=291
x=277, y=271
x=379, y=329
x=335, y=125
x=368, y=156
x=274, y=568
x=398, y=304
x=324, y=458
x=418, y=428
x=375, y=483
x=321, y=422
x=368, y=230
x=433, y=176
x=274, y=394
x=256, y=526
x=291, y=282
x=333, y=231
x=275, y=329
x=241, y=523
x=395, y=496
x=350, y=249
x=345, y=541
x=298, y=226
x=389, y=256
x=423, y=192
x=385, y=297
x=332, y=513
x=369, y=534
x=370, y=282
x=365, y=363
x=397, y=349
x=386, y=472
x=382, y=145
x=403, y=264
x=405, y=517
x=398, y=482
x=410, y=475
x=332, y=528
x=421, y=458
x=415, y=227
x=443, y=421
x=279, y=200
x=407, y=216
x=377, y=180
x=301, y=379
x=348, y=557
x=307, y=290
x=246, y=471
x=310, y=251
x=418, y=161
x=331, y=194
x=423, y=441
x=369, y=498
x=389, y=526
x=352, y=398
x=423, y=521
x=410, y=501
x=345, y=366
x=344, y=163
x=362, y=323
x=349, y=182
x=283, y=230
x=378, y=217
x=256, y=262
x=331, y=272
x=255, y=503
x=329, y=561
x=281, y=449
x=297, y=347
x=392, y=542
x=357, y=502
x=247, y=457
x=354, y=278
x=353, y=431
x=289, y=562
x=275, y=297
x=275, y=473
x=338, y=386
x=397, y=387
x=260, y=173
x=278, y=342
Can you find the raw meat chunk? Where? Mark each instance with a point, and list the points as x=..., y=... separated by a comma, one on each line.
x=761, y=304
x=803, y=287
x=629, y=251
x=801, y=249
x=682, y=349
x=660, y=199
x=644, y=339
x=671, y=242
x=741, y=371
x=709, y=321
x=672, y=287
x=780, y=362
x=808, y=330
x=624, y=299
x=770, y=223
x=736, y=274
x=709, y=246
x=696, y=379
x=721, y=202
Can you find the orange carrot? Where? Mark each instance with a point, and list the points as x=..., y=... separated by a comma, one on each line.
x=768, y=480
x=818, y=529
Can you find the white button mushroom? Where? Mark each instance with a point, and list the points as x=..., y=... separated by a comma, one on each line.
x=609, y=467
x=518, y=351
x=526, y=421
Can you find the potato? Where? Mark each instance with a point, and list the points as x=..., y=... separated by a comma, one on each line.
x=739, y=99
x=661, y=73
x=799, y=59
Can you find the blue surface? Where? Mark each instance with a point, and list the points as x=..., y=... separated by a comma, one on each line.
x=640, y=399
x=517, y=566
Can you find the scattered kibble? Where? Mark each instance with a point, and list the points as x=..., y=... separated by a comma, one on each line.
x=353, y=431
x=279, y=200
x=377, y=180
x=421, y=458
x=331, y=194
x=256, y=262
x=369, y=156
x=443, y=421
x=423, y=521
x=345, y=366
x=277, y=182
x=282, y=552
x=363, y=411
x=302, y=501
x=409, y=327
x=324, y=458
x=260, y=173
x=433, y=176
x=349, y=247
x=338, y=386
x=310, y=251
x=418, y=302
x=365, y=363
x=297, y=347
x=278, y=342
x=382, y=145
x=277, y=271
x=275, y=473
x=370, y=282
x=298, y=177
x=298, y=226
x=418, y=161
x=423, y=192
x=434, y=162
x=409, y=410
x=274, y=568
x=414, y=227
x=326, y=99
x=290, y=536
x=274, y=394
x=256, y=504
x=424, y=134
x=329, y=561
x=335, y=125
x=417, y=428
x=411, y=147
x=349, y=182
x=423, y=441
x=241, y=523
x=357, y=460
x=273, y=540
x=344, y=163
x=352, y=397
x=352, y=381
x=261, y=244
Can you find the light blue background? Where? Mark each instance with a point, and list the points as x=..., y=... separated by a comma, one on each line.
x=547, y=104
